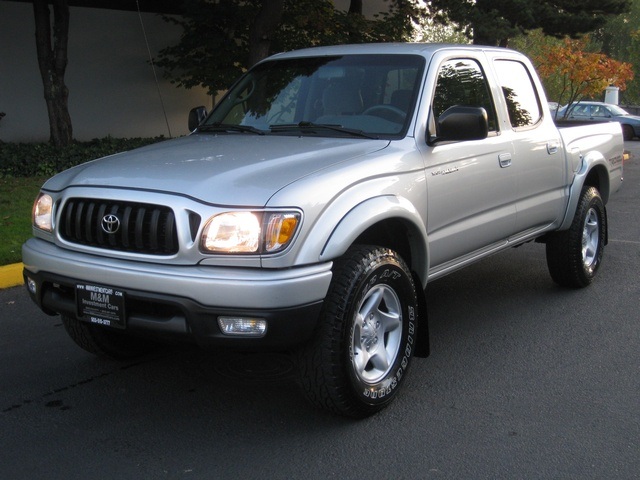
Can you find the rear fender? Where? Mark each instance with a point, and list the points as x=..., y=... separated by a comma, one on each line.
x=593, y=171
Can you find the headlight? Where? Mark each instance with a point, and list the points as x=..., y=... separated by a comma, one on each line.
x=235, y=232
x=43, y=212
x=249, y=232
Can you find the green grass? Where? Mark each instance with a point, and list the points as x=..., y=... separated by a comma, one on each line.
x=24, y=167
x=16, y=200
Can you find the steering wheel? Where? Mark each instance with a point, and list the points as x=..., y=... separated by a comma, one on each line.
x=388, y=112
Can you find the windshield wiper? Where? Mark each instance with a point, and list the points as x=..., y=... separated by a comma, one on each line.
x=229, y=127
x=310, y=126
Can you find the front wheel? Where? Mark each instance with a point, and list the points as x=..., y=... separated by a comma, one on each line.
x=362, y=350
x=574, y=255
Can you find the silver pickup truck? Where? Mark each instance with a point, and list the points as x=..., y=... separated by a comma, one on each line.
x=308, y=211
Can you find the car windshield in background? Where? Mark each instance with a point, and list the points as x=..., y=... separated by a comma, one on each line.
x=364, y=96
x=617, y=111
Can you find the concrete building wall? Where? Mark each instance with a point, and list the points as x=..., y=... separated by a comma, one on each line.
x=111, y=83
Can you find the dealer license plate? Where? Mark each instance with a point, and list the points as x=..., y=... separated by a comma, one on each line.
x=101, y=305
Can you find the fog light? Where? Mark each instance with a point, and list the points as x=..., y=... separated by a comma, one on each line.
x=32, y=285
x=243, y=326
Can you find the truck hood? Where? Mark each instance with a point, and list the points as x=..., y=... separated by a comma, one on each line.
x=227, y=169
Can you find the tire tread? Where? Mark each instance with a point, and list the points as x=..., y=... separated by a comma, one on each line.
x=321, y=373
x=564, y=248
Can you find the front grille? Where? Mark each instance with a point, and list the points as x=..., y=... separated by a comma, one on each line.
x=123, y=226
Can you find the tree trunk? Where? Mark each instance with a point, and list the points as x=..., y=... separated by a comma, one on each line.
x=52, y=60
x=354, y=21
x=355, y=7
x=265, y=24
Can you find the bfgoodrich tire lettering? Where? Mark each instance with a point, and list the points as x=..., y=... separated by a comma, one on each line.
x=364, y=345
x=574, y=255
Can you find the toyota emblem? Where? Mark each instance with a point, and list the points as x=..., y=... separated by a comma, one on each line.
x=110, y=223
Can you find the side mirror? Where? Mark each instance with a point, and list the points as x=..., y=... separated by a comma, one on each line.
x=196, y=116
x=458, y=123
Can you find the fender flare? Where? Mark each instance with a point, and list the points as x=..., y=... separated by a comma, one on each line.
x=591, y=162
x=371, y=212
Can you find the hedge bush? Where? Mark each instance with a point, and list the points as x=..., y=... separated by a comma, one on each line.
x=45, y=160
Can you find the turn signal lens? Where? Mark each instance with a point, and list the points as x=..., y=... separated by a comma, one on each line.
x=43, y=212
x=280, y=230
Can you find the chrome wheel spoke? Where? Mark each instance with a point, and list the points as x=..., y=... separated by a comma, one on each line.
x=389, y=321
x=379, y=362
x=376, y=334
x=590, y=238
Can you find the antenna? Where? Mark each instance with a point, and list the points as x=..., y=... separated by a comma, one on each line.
x=153, y=68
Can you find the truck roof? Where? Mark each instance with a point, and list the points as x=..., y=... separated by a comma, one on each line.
x=424, y=49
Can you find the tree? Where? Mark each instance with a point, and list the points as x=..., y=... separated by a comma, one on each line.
x=494, y=22
x=51, y=46
x=221, y=39
x=578, y=73
x=620, y=39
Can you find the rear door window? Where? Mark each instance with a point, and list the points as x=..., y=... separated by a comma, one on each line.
x=519, y=93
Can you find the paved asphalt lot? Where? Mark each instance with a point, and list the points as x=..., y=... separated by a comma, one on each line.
x=525, y=381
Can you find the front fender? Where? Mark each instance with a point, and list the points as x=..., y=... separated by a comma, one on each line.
x=374, y=211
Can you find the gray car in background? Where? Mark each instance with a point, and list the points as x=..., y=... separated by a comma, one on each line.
x=602, y=112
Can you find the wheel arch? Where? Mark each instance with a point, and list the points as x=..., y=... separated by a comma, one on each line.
x=386, y=221
x=593, y=173
x=598, y=177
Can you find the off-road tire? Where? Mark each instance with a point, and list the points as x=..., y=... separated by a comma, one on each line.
x=574, y=255
x=366, y=336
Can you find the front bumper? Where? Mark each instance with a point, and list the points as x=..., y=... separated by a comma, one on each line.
x=185, y=302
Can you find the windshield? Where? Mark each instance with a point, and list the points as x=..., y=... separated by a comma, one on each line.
x=616, y=110
x=351, y=95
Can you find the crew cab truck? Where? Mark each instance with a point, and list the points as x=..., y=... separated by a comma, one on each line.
x=308, y=211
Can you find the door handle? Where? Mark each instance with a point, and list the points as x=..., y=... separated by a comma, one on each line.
x=552, y=148
x=505, y=160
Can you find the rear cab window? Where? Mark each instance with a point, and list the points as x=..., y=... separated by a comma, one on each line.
x=520, y=94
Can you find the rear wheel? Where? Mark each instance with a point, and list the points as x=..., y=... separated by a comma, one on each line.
x=627, y=132
x=359, y=357
x=105, y=342
x=574, y=255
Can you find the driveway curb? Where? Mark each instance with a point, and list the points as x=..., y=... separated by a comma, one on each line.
x=11, y=275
